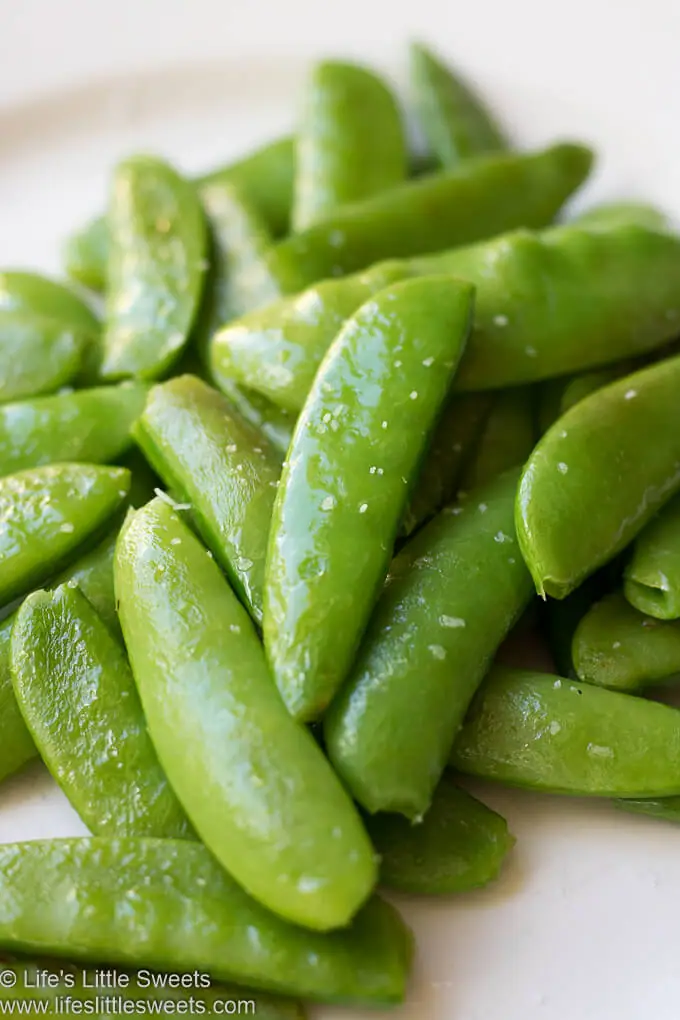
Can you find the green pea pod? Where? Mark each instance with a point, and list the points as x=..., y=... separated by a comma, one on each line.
x=86, y=254
x=255, y=785
x=31, y=293
x=616, y=214
x=578, y=504
x=168, y=905
x=454, y=120
x=76, y=693
x=347, y=479
x=560, y=618
x=16, y=744
x=46, y=513
x=454, y=592
x=507, y=439
x=546, y=733
x=92, y=426
x=460, y=845
x=482, y=197
x=275, y=424
x=350, y=141
x=652, y=576
x=616, y=646
x=155, y=269
x=224, y=468
x=51, y=355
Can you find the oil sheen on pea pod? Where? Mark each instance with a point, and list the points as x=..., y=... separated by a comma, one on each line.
x=214, y=460
x=350, y=141
x=74, y=688
x=255, y=785
x=453, y=594
x=155, y=272
x=455, y=122
x=579, y=503
x=482, y=197
x=618, y=647
x=90, y=426
x=47, y=513
x=652, y=576
x=51, y=355
x=459, y=845
x=168, y=905
x=348, y=476
x=507, y=439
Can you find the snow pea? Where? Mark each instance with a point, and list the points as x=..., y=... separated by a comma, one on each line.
x=507, y=439
x=46, y=513
x=454, y=592
x=578, y=503
x=652, y=576
x=224, y=468
x=255, y=785
x=459, y=845
x=76, y=693
x=350, y=141
x=615, y=214
x=482, y=197
x=155, y=269
x=547, y=733
x=454, y=120
x=93, y=426
x=168, y=905
x=353, y=460
x=618, y=647
x=51, y=355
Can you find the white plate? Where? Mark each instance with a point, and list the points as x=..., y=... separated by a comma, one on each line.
x=585, y=922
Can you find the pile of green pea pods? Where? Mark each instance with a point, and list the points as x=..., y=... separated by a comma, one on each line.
x=265, y=522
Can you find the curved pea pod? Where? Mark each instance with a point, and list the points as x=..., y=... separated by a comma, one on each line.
x=51, y=355
x=546, y=733
x=255, y=784
x=75, y=691
x=168, y=905
x=616, y=646
x=453, y=594
x=482, y=197
x=346, y=482
x=32, y=293
x=224, y=468
x=92, y=426
x=507, y=439
x=616, y=214
x=350, y=141
x=156, y=267
x=459, y=845
x=454, y=120
x=578, y=503
x=46, y=513
x=86, y=254
x=652, y=576
x=16, y=744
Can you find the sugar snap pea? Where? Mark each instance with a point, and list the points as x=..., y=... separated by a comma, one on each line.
x=454, y=592
x=455, y=122
x=614, y=214
x=255, y=785
x=347, y=479
x=224, y=468
x=16, y=744
x=168, y=905
x=273, y=422
x=155, y=269
x=76, y=693
x=507, y=438
x=546, y=733
x=652, y=576
x=32, y=293
x=578, y=503
x=51, y=355
x=459, y=845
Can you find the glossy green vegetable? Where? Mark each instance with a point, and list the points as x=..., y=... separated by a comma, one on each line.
x=255, y=785
x=578, y=502
x=347, y=479
x=652, y=577
x=507, y=439
x=453, y=594
x=155, y=269
x=615, y=214
x=214, y=460
x=38, y=295
x=76, y=693
x=51, y=355
x=546, y=733
x=350, y=141
x=616, y=646
x=46, y=513
x=482, y=197
x=168, y=905
x=460, y=844
x=92, y=426
x=455, y=122
x=561, y=617
x=273, y=422
x=16, y=744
